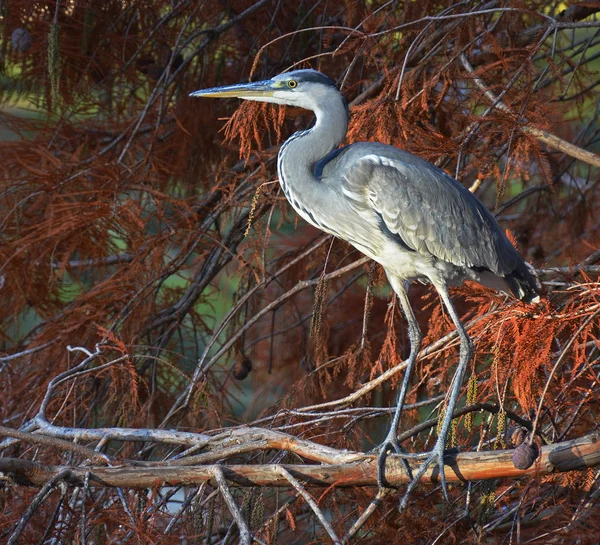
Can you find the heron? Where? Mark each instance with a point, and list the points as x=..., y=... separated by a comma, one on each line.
x=408, y=215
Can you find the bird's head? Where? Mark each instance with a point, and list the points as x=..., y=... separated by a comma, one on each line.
x=301, y=88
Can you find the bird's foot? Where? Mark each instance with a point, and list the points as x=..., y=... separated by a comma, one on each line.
x=390, y=444
x=437, y=456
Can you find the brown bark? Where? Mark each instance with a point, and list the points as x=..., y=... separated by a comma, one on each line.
x=574, y=455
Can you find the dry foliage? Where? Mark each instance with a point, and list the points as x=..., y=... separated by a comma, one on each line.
x=154, y=279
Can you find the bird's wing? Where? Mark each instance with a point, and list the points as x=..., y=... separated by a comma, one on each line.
x=426, y=210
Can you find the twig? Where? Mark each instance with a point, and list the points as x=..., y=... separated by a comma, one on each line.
x=592, y=258
x=87, y=453
x=245, y=535
x=371, y=385
x=86, y=493
x=593, y=269
x=185, y=397
x=243, y=301
x=565, y=147
x=243, y=440
x=309, y=499
x=369, y=91
x=63, y=376
x=555, y=367
x=240, y=440
x=543, y=136
x=415, y=41
x=171, y=437
x=125, y=506
x=322, y=416
x=366, y=514
x=184, y=506
x=103, y=261
x=489, y=407
x=40, y=497
x=25, y=352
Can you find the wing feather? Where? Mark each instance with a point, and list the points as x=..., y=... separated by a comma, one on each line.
x=428, y=210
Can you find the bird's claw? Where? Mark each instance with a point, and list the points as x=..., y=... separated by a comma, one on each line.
x=436, y=455
x=390, y=444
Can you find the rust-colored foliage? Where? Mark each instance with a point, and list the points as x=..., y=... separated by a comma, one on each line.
x=141, y=231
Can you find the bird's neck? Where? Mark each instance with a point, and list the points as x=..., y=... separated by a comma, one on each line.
x=299, y=154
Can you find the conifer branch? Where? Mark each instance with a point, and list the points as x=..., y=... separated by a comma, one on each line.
x=547, y=138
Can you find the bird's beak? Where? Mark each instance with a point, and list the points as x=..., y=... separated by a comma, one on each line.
x=250, y=91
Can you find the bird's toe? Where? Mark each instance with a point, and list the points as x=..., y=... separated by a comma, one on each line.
x=435, y=456
x=390, y=445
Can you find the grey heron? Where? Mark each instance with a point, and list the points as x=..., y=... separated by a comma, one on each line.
x=402, y=211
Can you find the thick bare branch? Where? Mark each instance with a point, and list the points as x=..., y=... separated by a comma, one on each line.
x=575, y=455
x=59, y=444
x=172, y=437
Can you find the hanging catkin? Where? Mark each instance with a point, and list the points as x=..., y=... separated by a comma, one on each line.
x=54, y=60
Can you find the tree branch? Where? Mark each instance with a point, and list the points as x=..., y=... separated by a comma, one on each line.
x=245, y=535
x=41, y=496
x=311, y=502
x=543, y=136
x=574, y=455
x=60, y=444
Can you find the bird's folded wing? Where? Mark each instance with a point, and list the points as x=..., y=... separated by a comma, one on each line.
x=429, y=211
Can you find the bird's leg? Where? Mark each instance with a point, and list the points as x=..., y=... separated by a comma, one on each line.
x=415, y=336
x=466, y=352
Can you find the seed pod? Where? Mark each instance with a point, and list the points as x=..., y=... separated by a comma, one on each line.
x=242, y=368
x=525, y=455
x=515, y=435
x=21, y=40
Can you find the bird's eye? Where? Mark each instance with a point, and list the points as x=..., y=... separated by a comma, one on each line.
x=292, y=84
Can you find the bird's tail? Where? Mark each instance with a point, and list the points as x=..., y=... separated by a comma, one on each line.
x=524, y=283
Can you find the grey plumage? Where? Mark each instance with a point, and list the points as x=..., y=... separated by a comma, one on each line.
x=430, y=214
x=400, y=210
